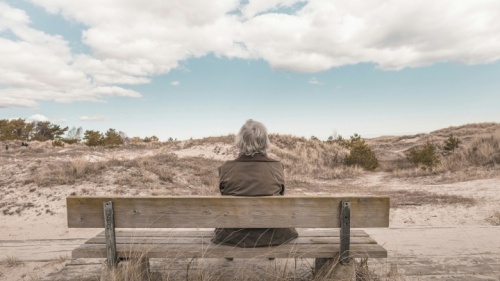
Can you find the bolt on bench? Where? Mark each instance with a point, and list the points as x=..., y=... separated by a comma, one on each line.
x=324, y=225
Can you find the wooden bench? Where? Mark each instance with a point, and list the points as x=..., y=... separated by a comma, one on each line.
x=168, y=227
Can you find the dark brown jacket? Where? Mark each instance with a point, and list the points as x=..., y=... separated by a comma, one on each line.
x=252, y=176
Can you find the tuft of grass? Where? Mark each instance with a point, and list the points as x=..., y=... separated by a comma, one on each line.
x=80, y=166
x=60, y=259
x=494, y=219
x=15, y=208
x=250, y=269
x=394, y=274
x=11, y=261
x=363, y=273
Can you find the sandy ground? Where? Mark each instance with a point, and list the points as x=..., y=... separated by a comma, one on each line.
x=48, y=219
x=30, y=225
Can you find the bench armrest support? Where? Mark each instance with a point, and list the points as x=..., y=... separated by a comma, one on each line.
x=345, y=231
x=109, y=228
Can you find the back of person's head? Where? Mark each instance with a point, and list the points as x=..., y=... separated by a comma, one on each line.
x=252, y=138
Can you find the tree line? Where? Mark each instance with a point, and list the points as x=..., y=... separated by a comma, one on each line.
x=22, y=130
x=360, y=154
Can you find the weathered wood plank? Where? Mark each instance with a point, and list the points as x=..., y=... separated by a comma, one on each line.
x=109, y=233
x=38, y=250
x=218, y=251
x=314, y=232
x=227, y=211
x=206, y=240
x=345, y=231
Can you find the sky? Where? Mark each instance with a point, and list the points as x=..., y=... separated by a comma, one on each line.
x=194, y=68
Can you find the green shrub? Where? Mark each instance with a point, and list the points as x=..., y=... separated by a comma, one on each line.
x=70, y=141
x=361, y=154
x=151, y=139
x=112, y=138
x=44, y=130
x=425, y=155
x=59, y=143
x=346, y=143
x=93, y=138
x=451, y=144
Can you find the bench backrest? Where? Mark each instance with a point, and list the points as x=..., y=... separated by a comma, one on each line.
x=228, y=211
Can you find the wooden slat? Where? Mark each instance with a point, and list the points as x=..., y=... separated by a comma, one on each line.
x=227, y=211
x=206, y=240
x=218, y=251
x=314, y=232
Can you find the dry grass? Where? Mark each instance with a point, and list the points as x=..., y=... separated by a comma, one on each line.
x=11, y=261
x=494, y=219
x=466, y=131
x=162, y=170
x=305, y=160
x=477, y=157
x=246, y=270
x=15, y=208
x=228, y=139
x=249, y=269
x=64, y=172
x=190, y=175
x=61, y=259
x=482, y=150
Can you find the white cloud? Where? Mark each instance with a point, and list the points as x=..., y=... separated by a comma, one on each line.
x=391, y=34
x=175, y=83
x=152, y=39
x=94, y=118
x=131, y=42
x=6, y=101
x=38, y=118
x=38, y=66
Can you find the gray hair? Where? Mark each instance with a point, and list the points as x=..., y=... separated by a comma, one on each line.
x=252, y=138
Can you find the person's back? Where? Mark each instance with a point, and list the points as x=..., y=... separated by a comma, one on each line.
x=252, y=174
x=255, y=175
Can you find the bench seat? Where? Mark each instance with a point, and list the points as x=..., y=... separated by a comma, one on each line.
x=175, y=243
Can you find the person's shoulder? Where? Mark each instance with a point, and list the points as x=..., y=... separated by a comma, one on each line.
x=228, y=163
x=255, y=158
x=272, y=159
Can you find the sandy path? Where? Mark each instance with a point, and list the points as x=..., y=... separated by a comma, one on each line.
x=451, y=253
x=419, y=253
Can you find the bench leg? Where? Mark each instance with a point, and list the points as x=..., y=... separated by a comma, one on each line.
x=331, y=268
x=322, y=264
x=128, y=270
x=143, y=268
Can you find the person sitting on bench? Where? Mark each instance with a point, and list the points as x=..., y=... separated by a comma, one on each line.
x=252, y=173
